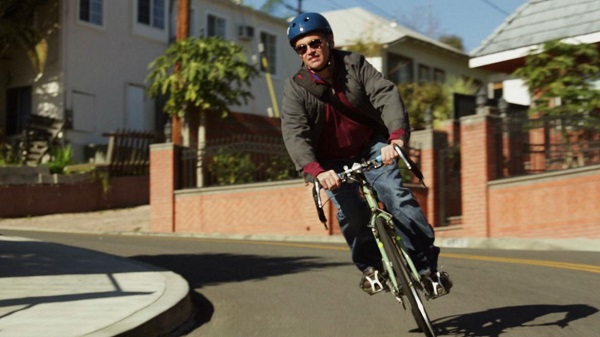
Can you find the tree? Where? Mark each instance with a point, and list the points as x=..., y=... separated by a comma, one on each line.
x=438, y=99
x=16, y=28
x=212, y=74
x=420, y=98
x=565, y=73
x=561, y=77
x=454, y=41
x=422, y=20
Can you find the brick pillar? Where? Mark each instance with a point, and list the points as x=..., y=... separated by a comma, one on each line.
x=478, y=165
x=163, y=163
x=431, y=142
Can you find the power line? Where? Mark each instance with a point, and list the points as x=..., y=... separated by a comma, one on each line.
x=385, y=13
x=494, y=6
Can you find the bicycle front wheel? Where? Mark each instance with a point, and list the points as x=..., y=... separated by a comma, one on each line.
x=403, y=276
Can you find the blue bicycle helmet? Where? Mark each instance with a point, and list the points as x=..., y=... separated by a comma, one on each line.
x=307, y=23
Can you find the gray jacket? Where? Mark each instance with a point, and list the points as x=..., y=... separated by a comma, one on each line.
x=374, y=96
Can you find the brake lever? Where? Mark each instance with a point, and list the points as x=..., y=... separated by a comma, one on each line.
x=409, y=164
x=318, y=203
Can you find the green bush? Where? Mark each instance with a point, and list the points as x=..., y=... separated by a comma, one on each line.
x=60, y=157
x=280, y=167
x=230, y=167
x=8, y=155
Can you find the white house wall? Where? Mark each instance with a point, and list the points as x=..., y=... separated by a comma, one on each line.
x=287, y=61
x=452, y=64
x=100, y=64
x=91, y=69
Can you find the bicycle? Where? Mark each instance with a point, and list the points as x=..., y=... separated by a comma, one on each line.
x=403, y=278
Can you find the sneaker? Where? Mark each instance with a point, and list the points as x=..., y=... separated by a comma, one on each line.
x=437, y=284
x=373, y=281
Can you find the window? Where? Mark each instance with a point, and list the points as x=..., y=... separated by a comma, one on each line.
x=400, y=69
x=269, y=42
x=90, y=11
x=424, y=73
x=151, y=13
x=439, y=75
x=18, y=109
x=215, y=26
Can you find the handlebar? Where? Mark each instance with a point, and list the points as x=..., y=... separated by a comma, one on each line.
x=357, y=169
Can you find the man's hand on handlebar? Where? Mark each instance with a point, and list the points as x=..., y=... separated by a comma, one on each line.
x=329, y=180
x=388, y=153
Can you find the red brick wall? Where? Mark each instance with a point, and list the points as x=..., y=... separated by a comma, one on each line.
x=430, y=142
x=42, y=199
x=549, y=205
x=163, y=158
x=278, y=208
x=475, y=176
x=554, y=205
x=284, y=208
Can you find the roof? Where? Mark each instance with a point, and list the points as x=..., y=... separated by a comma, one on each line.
x=356, y=24
x=536, y=22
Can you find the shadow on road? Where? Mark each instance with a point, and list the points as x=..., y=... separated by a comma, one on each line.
x=494, y=322
x=213, y=269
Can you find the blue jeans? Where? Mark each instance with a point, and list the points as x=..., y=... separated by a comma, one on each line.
x=353, y=213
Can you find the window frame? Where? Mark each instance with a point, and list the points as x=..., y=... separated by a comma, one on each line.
x=404, y=74
x=439, y=75
x=218, y=19
x=424, y=73
x=145, y=30
x=89, y=22
x=152, y=17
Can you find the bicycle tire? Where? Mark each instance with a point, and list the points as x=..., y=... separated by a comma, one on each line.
x=387, y=236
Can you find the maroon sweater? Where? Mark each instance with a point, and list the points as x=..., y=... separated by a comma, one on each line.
x=341, y=137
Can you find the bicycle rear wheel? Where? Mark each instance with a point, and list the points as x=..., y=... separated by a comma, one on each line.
x=387, y=236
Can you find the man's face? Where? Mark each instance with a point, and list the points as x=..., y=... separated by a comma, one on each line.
x=314, y=50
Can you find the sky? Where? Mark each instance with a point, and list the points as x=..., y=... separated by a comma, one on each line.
x=471, y=20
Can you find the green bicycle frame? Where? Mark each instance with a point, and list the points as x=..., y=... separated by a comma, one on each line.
x=378, y=212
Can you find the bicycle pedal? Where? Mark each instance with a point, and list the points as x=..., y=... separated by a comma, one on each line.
x=374, y=283
x=434, y=289
x=439, y=291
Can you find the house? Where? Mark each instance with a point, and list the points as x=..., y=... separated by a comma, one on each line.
x=98, y=58
x=532, y=24
x=402, y=54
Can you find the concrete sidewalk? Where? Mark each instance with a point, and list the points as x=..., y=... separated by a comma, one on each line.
x=49, y=289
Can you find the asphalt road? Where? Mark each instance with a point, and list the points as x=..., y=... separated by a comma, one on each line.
x=285, y=289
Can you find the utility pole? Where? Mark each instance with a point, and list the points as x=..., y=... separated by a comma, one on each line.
x=265, y=65
x=183, y=31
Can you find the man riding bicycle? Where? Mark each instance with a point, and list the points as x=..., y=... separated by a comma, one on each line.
x=338, y=109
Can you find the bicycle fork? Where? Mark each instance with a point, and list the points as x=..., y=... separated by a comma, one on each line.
x=387, y=264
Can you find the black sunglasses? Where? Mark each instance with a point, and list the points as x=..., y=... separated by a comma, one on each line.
x=314, y=44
